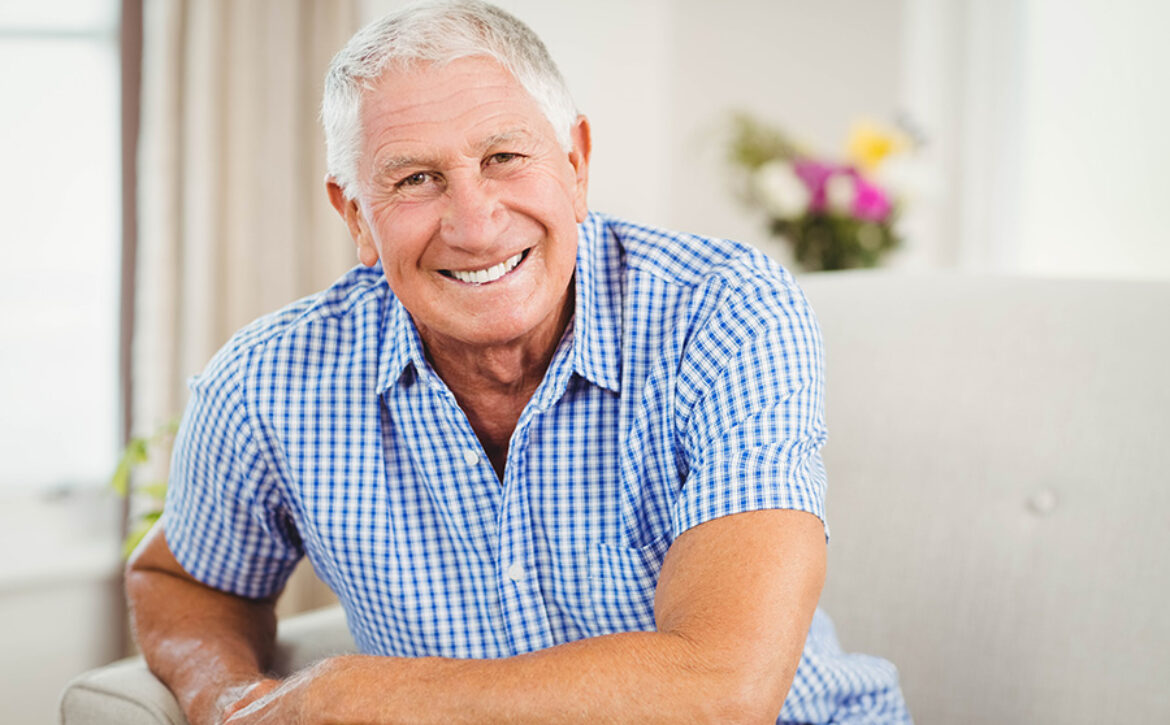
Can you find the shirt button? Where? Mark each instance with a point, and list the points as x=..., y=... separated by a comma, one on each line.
x=1043, y=502
x=515, y=572
x=471, y=456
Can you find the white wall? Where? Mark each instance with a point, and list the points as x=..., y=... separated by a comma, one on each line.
x=1048, y=120
x=59, y=599
x=1096, y=114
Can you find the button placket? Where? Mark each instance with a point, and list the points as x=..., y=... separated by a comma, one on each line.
x=456, y=487
x=525, y=615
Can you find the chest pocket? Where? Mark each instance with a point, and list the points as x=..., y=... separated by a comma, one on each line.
x=621, y=586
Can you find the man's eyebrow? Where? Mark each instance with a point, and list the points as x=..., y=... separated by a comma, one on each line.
x=391, y=165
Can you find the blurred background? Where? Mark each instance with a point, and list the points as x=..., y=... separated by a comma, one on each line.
x=162, y=186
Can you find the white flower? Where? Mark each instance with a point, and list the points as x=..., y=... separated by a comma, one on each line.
x=840, y=192
x=779, y=190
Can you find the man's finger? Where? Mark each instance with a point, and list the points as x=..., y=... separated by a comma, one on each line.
x=250, y=696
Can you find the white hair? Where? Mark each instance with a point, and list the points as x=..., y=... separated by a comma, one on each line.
x=434, y=32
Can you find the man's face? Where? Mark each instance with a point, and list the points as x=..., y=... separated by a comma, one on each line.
x=470, y=203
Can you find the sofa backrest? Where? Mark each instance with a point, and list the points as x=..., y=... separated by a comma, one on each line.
x=999, y=491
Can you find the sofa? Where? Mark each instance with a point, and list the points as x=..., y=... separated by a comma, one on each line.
x=999, y=500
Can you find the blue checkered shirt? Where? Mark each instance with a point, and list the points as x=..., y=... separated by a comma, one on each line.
x=687, y=387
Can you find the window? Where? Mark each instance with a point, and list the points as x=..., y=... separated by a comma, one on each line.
x=60, y=232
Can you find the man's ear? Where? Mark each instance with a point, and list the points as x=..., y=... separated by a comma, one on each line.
x=351, y=214
x=579, y=158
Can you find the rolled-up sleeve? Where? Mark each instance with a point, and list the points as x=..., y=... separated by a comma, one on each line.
x=752, y=388
x=225, y=519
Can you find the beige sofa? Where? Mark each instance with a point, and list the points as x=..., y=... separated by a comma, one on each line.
x=999, y=466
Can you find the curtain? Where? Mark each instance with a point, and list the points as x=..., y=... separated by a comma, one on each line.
x=233, y=217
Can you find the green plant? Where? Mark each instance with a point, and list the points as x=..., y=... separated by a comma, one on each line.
x=145, y=498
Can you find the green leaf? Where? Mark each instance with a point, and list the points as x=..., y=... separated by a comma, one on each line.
x=754, y=143
x=133, y=454
x=121, y=479
x=156, y=490
x=136, y=450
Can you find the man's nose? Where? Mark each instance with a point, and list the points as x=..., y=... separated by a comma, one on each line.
x=473, y=217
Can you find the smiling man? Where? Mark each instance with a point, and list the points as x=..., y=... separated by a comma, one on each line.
x=558, y=467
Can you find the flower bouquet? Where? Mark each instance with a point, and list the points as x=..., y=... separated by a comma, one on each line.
x=835, y=214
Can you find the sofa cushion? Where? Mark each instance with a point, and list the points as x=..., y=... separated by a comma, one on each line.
x=998, y=463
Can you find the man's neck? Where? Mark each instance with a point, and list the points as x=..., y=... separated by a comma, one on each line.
x=493, y=384
x=509, y=368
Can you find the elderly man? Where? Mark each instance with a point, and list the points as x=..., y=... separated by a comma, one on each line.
x=557, y=466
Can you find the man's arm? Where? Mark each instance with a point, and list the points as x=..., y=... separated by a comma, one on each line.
x=211, y=648
x=733, y=606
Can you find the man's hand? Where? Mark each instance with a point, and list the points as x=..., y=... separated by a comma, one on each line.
x=236, y=699
x=209, y=647
x=278, y=703
x=313, y=695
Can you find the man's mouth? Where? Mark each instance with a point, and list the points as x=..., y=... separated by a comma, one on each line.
x=491, y=274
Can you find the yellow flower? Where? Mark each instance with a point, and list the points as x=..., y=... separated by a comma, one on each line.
x=870, y=143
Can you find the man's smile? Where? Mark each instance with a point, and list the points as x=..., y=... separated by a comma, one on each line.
x=489, y=274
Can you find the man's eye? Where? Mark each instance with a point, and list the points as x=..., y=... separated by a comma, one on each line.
x=502, y=158
x=416, y=179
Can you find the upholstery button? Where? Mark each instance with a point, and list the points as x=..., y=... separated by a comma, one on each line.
x=1043, y=502
x=515, y=572
x=471, y=456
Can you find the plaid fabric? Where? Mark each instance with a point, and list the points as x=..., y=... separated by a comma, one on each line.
x=688, y=387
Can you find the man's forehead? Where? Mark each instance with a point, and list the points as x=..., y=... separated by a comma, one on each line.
x=421, y=94
x=400, y=81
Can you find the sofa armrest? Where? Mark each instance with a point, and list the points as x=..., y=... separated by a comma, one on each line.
x=126, y=693
x=310, y=637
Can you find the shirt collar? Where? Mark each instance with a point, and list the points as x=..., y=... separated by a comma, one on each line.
x=401, y=345
x=596, y=325
x=597, y=328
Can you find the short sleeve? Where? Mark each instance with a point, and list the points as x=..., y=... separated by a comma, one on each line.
x=224, y=518
x=752, y=388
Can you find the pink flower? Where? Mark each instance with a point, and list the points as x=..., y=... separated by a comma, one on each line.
x=815, y=175
x=869, y=201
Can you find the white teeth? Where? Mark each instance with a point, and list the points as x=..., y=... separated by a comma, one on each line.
x=491, y=274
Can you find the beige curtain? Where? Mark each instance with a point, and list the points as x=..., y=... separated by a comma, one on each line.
x=234, y=221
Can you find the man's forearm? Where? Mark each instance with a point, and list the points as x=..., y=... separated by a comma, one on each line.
x=632, y=677
x=207, y=646
x=733, y=606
